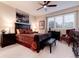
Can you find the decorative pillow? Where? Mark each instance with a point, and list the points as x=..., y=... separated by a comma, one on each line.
x=25, y=31
x=18, y=32
x=22, y=31
x=29, y=31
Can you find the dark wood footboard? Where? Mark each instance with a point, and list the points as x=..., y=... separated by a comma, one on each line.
x=36, y=39
x=40, y=40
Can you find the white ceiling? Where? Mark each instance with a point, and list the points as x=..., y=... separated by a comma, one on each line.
x=31, y=6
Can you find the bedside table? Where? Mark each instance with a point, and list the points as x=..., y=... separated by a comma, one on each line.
x=8, y=39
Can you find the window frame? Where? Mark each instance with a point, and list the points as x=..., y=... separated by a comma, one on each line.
x=74, y=26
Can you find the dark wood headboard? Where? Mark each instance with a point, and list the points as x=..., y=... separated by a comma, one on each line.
x=19, y=25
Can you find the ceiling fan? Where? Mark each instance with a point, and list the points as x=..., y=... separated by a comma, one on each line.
x=46, y=4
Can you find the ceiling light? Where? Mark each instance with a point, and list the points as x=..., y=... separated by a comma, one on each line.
x=45, y=6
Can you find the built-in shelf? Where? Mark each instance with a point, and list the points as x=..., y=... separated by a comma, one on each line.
x=22, y=23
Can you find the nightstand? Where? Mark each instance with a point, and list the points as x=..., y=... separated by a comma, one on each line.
x=8, y=39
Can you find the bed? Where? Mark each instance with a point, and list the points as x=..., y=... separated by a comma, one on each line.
x=26, y=37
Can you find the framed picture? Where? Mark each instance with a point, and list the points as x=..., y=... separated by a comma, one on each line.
x=42, y=24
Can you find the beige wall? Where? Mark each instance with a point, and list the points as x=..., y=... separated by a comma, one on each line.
x=7, y=17
x=41, y=18
x=33, y=22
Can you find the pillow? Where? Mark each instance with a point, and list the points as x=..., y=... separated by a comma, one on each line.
x=29, y=31
x=18, y=32
x=25, y=31
x=22, y=31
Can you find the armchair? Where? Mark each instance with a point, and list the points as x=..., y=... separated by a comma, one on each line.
x=67, y=37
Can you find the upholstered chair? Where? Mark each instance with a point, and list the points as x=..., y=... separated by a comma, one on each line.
x=67, y=37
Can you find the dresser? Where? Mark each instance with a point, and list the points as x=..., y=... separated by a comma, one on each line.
x=8, y=39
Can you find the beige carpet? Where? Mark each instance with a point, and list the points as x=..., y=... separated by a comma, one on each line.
x=18, y=51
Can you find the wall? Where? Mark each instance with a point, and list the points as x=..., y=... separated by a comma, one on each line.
x=7, y=18
x=41, y=18
x=33, y=22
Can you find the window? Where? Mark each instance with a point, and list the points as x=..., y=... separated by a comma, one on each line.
x=59, y=21
x=69, y=20
x=51, y=22
x=62, y=21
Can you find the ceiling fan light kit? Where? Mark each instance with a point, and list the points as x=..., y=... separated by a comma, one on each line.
x=45, y=6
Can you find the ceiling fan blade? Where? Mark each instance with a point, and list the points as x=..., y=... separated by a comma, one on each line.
x=51, y=5
x=48, y=2
x=39, y=8
x=45, y=2
x=41, y=4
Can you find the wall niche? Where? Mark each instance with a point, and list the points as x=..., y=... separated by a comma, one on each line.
x=22, y=16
